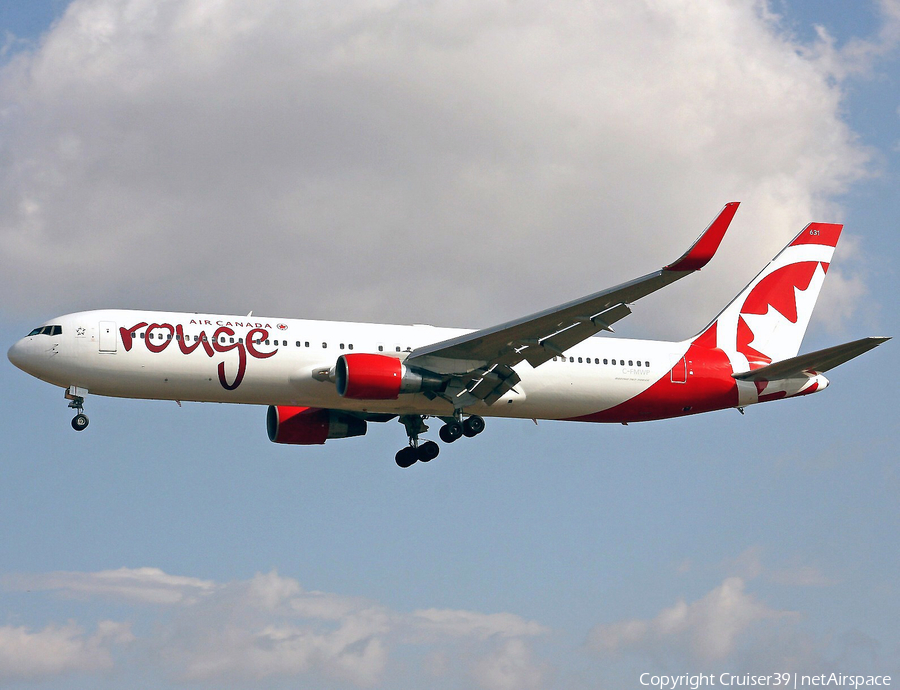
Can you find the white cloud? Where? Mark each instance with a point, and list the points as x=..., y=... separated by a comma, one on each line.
x=58, y=649
x=859, y=54
x=148, y=585
x=749, y=565
x=369, y=159
x=708, y=629
x=270, y=627
x=473, y=624
x=510, y=667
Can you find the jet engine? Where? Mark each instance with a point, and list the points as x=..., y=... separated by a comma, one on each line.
x=364, y=376
x=310, y=425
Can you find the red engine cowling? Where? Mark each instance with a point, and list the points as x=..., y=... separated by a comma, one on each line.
x=310, y=425
x=368, y=377
x=364, y=376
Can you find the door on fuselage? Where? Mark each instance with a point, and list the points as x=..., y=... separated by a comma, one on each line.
x=108, y=337
x=679, y=371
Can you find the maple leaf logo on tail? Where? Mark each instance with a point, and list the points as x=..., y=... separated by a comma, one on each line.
x=775, y=314
x=766, y=322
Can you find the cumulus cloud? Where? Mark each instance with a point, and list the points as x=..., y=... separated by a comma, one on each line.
x=461, y=163
x=58, y=649
x=708, y=629
x=267, y=627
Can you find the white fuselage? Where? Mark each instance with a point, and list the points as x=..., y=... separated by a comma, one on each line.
x=274, y=361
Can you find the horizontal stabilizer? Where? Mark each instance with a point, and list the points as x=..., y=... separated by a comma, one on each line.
x=818, y=362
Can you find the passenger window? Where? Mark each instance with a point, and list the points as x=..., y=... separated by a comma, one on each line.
x=324, y=345
x=342, y=346
x=398, y=348
x=381, y=348
x=571, y=359
x=350, y=346
x=605, y=360
x=630, y=363
x=579, y=360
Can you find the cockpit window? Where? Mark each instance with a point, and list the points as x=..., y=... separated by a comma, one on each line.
x=46, y=330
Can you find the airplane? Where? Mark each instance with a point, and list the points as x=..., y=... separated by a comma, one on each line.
x=328, y=379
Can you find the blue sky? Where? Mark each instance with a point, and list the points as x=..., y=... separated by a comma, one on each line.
x=372, y=164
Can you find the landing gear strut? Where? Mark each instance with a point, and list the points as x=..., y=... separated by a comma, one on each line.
x=415, y=451
x=454, y=428
x=75, y=396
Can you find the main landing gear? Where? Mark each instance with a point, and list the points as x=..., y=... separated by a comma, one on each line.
x=453, y=429
x=75, y=396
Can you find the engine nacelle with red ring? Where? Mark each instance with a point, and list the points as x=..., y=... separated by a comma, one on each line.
x=310, y=425
x=363, y=376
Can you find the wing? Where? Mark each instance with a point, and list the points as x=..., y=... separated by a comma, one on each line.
x=813, y=362
x=481, y=363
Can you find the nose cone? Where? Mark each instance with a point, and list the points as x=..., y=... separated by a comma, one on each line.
x=17, y=355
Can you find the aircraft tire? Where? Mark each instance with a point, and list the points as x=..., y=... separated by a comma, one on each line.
x=450, y=432
x=428, y=451
x=80, y=422
x=406, y=457
x=473, y=426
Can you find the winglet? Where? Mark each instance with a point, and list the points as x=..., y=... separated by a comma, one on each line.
x=706, y=245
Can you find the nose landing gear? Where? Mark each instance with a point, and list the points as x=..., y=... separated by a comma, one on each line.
x=75, y=396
